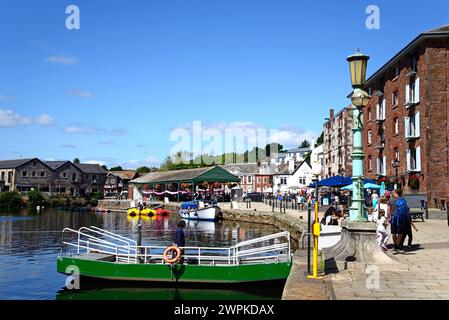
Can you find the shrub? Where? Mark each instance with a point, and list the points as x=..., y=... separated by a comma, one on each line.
x=10, y=200
x=35, y=198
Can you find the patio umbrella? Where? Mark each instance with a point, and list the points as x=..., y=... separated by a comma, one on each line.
x=365, y=186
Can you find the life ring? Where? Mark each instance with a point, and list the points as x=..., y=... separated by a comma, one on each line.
x=167, y=252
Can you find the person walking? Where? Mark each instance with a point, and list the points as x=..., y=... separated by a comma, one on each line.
x=382, y=233
x=402, y=219
x=409, y=234
x=374, y=199
x=180, y=238
x=391, y=214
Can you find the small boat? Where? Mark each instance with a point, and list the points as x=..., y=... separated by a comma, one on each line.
x=100, y=254
x=162, y=212
x=198, y=210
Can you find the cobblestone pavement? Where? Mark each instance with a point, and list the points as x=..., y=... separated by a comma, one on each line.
x=427, y=278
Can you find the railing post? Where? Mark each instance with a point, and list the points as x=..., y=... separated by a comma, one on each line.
x=199, y=256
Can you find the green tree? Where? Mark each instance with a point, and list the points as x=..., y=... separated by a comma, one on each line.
x=305, y=144
x=320, y=140
x=76, y=160
x=10, y=200
x=276, y=147
x=104, y=167
x=117, y=168
x=35, y=198
x=143, y=169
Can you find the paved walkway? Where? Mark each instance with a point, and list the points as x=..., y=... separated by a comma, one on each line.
x=427, y=278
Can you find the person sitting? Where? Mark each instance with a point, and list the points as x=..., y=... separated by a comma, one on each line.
x=327, y=219
x=180, y=238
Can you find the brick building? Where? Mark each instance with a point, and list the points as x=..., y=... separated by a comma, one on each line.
x=337, y=144
x=407, y=118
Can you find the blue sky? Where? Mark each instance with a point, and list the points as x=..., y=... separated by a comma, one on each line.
x=113, y=91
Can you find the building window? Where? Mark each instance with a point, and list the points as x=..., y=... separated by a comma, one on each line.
x=264, y=180
x=258, y=180
x=3, y=176
x=369, y=114
x=33, y=174
x=249, y=179
x=396, y=72
x=74, y=176
x=370, y=163
x=64, y=174
x=412, y=92
x=381, y=166
x=9, y=177
x=380, y=110
x=414, y=159
x=43, y=174
x=302, y=180
x=370, y=137
x=394, y=99
x=396, y=153
x=283, y=181
x=415, y=64
x=24, y=173
x=412, y=126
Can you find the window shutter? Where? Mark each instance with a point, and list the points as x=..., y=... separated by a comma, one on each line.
x=407, y=126
x=417, y=125
x=377, y=111
x=384, y=167
x=416, y=98
x=378, y=165
x=408, y=159
x=383, y=110
x=407, y=93
x=418, y=159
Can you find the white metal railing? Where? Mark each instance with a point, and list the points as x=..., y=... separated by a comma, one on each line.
x=274, y=247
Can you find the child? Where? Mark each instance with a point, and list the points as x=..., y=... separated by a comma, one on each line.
x=382, y=234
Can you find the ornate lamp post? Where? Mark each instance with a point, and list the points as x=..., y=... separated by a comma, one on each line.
x=396, y=167
x=357, y=65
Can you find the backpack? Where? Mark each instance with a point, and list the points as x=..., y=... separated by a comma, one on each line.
x=402, y=208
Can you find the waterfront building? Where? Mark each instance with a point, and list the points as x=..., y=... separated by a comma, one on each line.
x=337, y=146
x=24, y=175
x=407, y=117
x=254, y=177
x=116, y=184
x=286, y=180
x=53, y=177
x=67, y=178
x=295, y=154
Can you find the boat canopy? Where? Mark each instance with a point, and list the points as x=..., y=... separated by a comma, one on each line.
x=189, y=205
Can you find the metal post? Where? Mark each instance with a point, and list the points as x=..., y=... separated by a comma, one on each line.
x=272, y=206
x=309, y=230
x=285, y=205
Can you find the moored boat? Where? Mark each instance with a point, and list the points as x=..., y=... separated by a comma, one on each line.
x=198, y=210
x=101, y=254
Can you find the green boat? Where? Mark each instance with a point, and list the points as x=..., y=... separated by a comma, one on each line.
x=97, y=253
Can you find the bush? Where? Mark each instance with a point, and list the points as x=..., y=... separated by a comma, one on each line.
x=94, y=199
x=10, y=200
x=35, y=198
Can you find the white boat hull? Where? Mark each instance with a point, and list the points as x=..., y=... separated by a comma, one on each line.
x=206, y=214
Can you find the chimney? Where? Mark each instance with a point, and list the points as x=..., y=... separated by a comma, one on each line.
x=331, y=114
x=291, y=165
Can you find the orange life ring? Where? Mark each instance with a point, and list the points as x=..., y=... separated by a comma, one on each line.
x=167, y=252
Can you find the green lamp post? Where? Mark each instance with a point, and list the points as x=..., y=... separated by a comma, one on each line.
x=360, y=99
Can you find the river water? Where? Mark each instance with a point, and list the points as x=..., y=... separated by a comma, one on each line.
x=30, y=243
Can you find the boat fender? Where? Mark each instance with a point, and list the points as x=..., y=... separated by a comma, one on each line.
x=168, y=252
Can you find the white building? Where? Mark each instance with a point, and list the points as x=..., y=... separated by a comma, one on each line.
x=317, y=157
x=296, y=154
x=289, y=181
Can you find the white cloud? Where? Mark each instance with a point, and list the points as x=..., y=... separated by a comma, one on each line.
x=81, y=93
x=44, y=120
x=9, y=118
x=101, y=163
x=74, y=129
x=63, y=59
x=69, y=146
x=5, y=98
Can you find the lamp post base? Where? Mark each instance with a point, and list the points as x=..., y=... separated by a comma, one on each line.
x=358, y=249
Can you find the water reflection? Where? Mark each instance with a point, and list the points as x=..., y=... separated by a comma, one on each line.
x=30, y=243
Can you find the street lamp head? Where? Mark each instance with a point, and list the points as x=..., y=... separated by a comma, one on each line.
x=357, y=66
x=360, y=98
x=396, y=163
x=317, y=169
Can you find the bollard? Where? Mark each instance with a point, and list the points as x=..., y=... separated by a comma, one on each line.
x=272, y=207
x=280, y=207
x=285, y=204
x=309, y=225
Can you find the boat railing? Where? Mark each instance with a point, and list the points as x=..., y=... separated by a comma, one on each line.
x=268, y=248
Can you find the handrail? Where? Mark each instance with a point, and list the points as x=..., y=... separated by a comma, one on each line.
x=126, y=250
